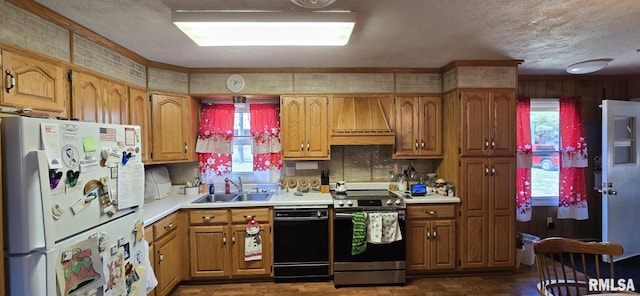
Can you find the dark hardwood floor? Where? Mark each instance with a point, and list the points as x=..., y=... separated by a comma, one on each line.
x=521, y=282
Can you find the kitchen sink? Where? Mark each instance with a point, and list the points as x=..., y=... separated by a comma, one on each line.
x=255, y=196
x=234, y=197
x=219, y=197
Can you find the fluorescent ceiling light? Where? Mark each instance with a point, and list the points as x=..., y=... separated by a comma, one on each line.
x=266, y=28
x=588, y=66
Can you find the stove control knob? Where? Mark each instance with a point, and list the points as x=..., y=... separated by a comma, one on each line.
x=398, y=202
x=341, y=203
x=350, y=203
x=389, y=202
x=318, y=214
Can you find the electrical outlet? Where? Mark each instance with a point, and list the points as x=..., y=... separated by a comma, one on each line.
x=550, y=224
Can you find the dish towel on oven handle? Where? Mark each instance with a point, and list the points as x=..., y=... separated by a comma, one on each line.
x=383, y=227
x=252, y=241
x=358, y=241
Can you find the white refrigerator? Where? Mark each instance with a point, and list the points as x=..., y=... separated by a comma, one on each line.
x=74, y=193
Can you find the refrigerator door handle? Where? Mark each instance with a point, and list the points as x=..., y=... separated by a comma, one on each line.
x=45, y=193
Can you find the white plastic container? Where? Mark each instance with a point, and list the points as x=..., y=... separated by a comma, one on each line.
x=528, y=257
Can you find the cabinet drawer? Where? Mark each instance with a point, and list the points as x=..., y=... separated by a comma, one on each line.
x=148, y=234
x=208, y=216
x=431, y=211
x=244, y=215
x=165, y=225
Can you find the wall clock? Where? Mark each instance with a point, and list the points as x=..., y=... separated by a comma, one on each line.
x=235, y=83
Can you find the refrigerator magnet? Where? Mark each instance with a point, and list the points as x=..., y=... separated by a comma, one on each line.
x=70, y=156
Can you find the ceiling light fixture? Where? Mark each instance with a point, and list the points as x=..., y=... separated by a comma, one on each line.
x=266, y=28
x=588, y=66
x=313, y=4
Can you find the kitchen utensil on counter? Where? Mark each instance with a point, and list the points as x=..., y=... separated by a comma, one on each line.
x=341, y=187
x=324, y=177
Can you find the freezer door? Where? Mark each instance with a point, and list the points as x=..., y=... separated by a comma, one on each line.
x=106, y=258
x=37, y=152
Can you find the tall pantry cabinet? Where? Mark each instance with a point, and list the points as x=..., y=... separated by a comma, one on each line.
x=480, y=160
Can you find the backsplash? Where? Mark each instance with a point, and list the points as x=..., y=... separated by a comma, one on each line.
x=348, y=163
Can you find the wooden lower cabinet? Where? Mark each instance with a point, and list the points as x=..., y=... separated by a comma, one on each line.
x=217, y=243
x=430, y=234
x=165, y=253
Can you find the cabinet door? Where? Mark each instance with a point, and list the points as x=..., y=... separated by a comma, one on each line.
x=292, y=122
x=250, y=268
x=502, y=212
x=209, y=249
x=192, y=131
x=38, y=84
x=170, y=123
x=86, y=98
x=443, y=246
x=502, y=129
x=406, y=126
x=474, y=190
x=474, y=134
x=430, y=126
x=417, y=245
x=167, y=263
x=152, y=259
x=116, y=103
x=139, y=115
x=316, y=126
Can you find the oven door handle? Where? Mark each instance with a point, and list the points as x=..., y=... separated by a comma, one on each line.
x=294, y=219
x=401, y=215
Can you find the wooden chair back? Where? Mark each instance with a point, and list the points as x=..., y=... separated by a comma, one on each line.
x=562, y=264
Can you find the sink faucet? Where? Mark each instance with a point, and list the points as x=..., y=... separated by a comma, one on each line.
x=237, y=185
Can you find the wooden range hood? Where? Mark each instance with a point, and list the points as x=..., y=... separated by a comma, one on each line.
x=362, y=121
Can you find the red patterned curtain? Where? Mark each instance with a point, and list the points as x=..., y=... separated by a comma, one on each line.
x=523, y=158
x=215, y=140
x=265, y=134
x=573, y=160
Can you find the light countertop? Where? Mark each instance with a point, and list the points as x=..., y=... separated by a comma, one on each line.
x=155, y=210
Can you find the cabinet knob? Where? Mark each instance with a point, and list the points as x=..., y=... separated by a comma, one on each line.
x=486, y=143
x=434, y=234
x=422, y=144
x=416, y=144
x=185, y=147
x=224, y=238
x=208, y=218
x=307, y=145
x=302, y=146
x=428, y=233
x=493, y=144
x=168, y=226
x=233, y=237
x=431, y=213
x=160, y=257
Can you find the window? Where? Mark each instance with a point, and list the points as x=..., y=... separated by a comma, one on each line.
x=545, y=138
x=242, y=158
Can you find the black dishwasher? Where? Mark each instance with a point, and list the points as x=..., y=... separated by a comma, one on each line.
x=301, y=243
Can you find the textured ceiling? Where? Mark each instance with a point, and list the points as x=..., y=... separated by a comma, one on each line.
x=547, y=34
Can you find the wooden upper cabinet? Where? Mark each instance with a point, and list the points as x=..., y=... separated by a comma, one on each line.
x=98, y=100
x=139, y=115
x=418, y=127
x=86, y=98
x=116, y=102
x=170, y=124
x=304, y=127
x=488, y=123
x=28, y=82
